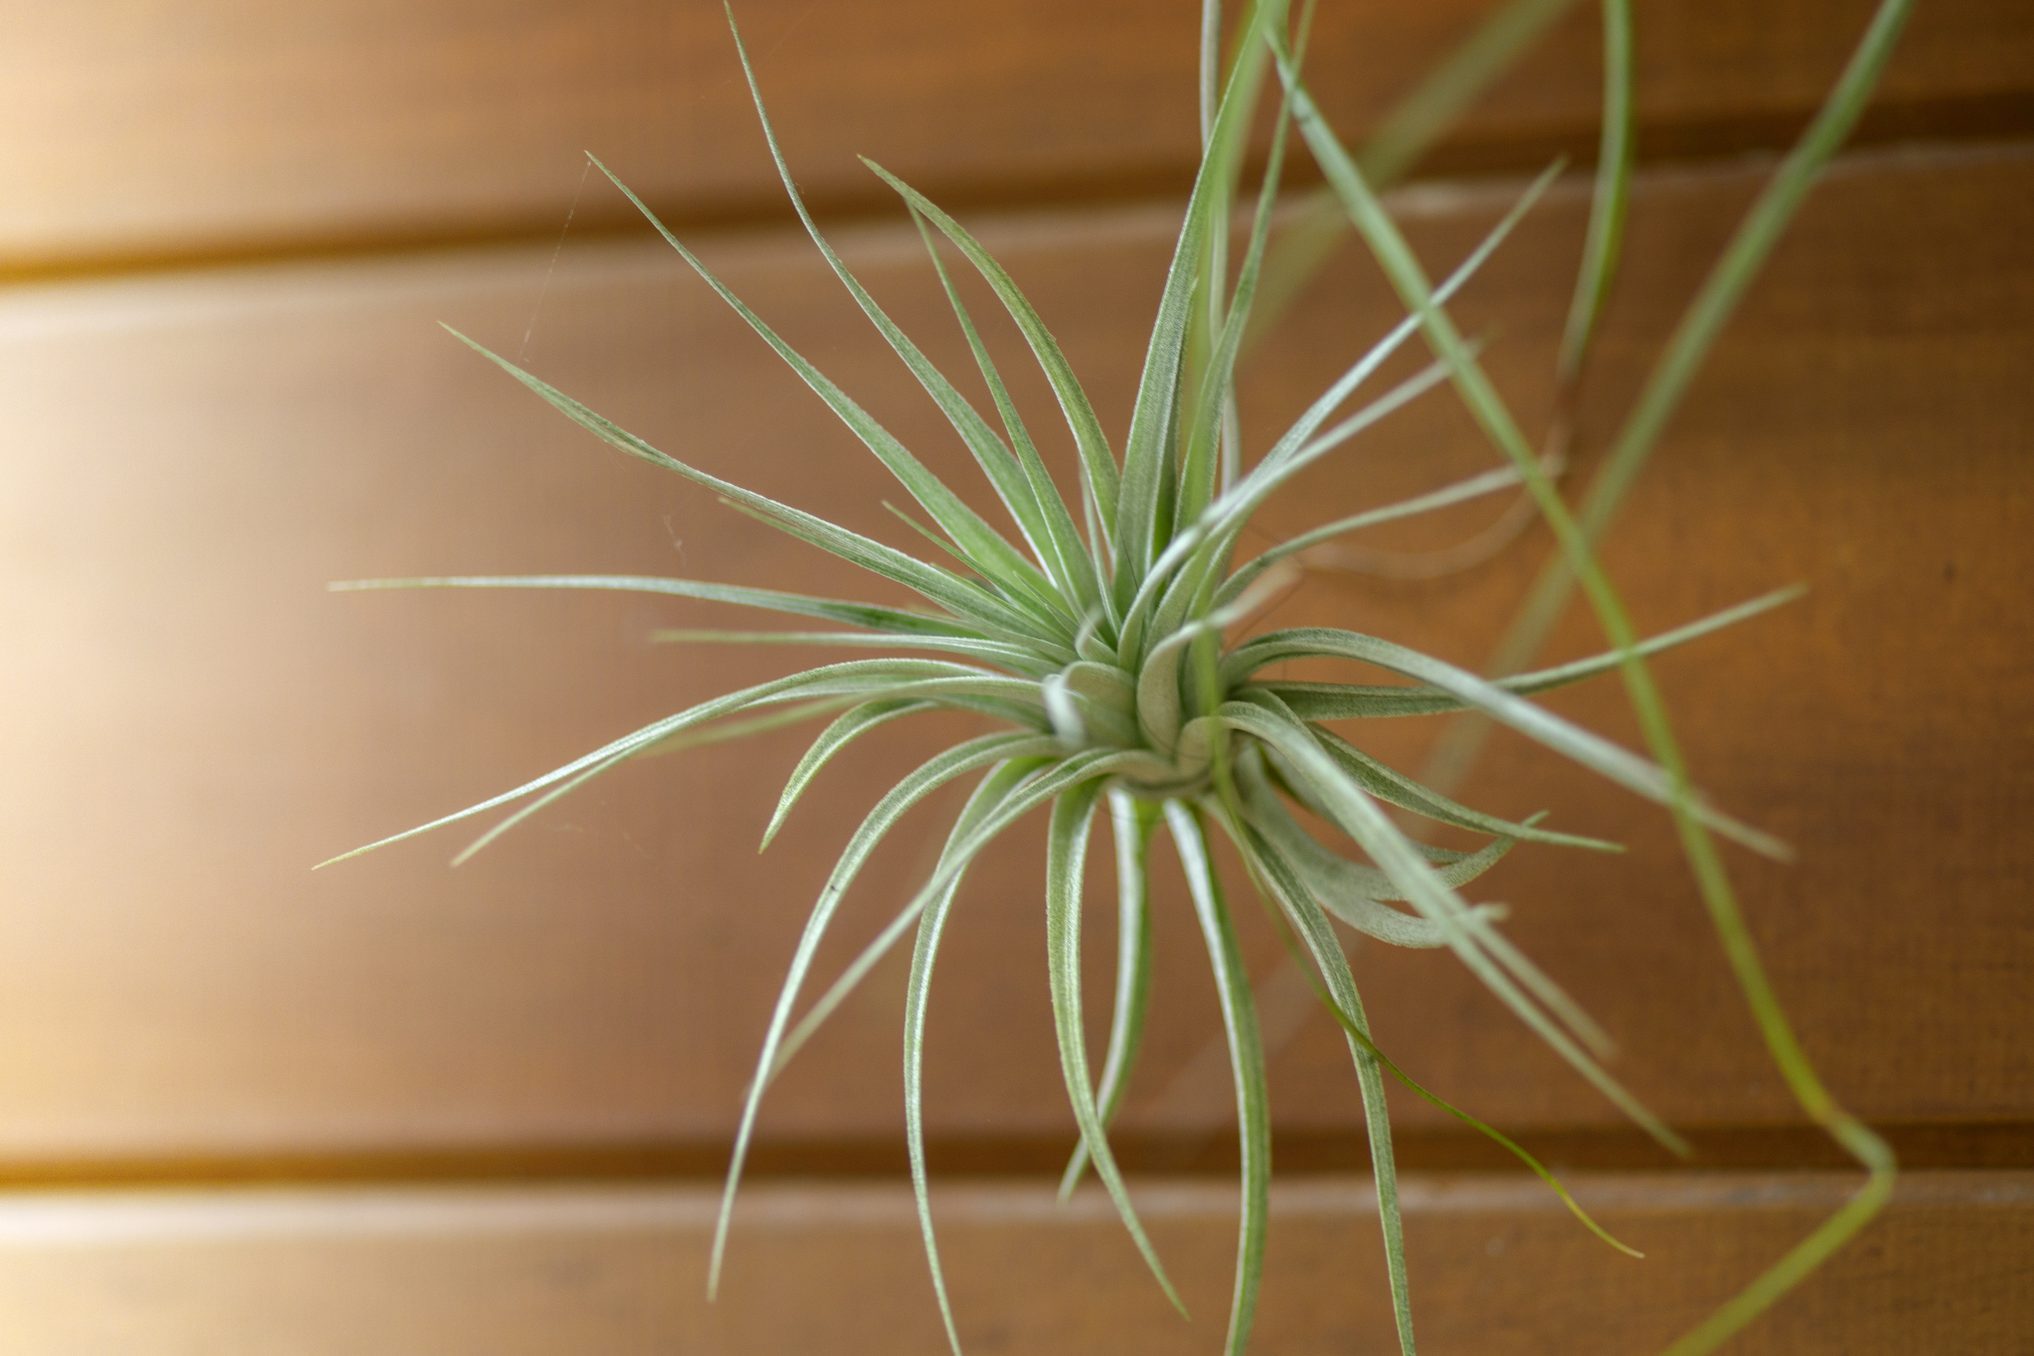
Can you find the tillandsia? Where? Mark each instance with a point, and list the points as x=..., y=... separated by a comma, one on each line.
x=1106, y=640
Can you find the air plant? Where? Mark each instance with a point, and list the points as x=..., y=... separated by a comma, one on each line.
x=1106, y=643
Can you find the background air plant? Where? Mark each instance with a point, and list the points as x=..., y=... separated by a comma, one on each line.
x=1105, y=642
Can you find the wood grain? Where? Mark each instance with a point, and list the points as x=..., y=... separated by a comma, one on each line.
x=1496, y=1267
x=137, y=130
x=190, y=721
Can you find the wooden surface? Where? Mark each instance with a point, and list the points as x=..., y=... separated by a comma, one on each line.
x=194, y=721
x=1497, y=1267
x=139, y=130
x=371, y=1104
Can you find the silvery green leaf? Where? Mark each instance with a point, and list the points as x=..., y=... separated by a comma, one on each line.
x=833, y=679
x=958, y=596
x=1293, y=897
x=1056, y=524
x=850, y=726
x=1246, y=1057
x=1341, y=701
x=1357, y=815
x=1535, y=722
x=1099, y=472
x=1065, y=858
x=869, y=615
x=976, y=540
x=929, y=776
x=1133, y=822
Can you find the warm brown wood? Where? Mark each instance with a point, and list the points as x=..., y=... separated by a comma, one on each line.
x=138, y=130
x=1497, y=1266
x=189, y=721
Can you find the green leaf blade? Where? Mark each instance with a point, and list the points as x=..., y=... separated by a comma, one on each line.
x=1133, y=822
x=1100, y=473
x=1246, y=1054
x=1272, y=870
x=927, y=778
x=1066, y=852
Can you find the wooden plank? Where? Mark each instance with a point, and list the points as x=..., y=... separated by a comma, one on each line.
x=138, y=131
x=190, y=721
x=1497, y=1266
